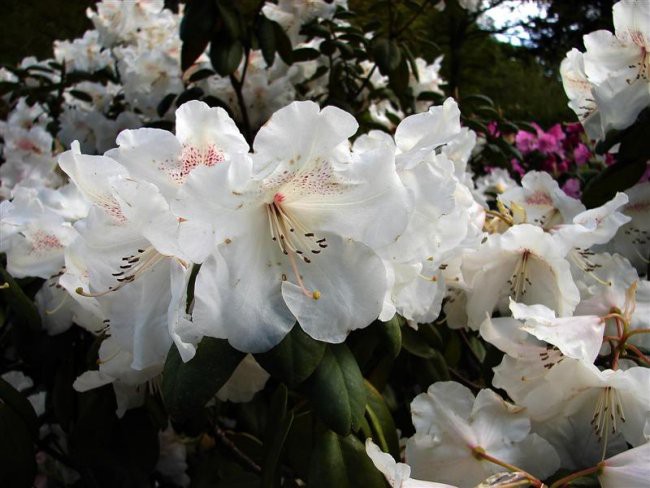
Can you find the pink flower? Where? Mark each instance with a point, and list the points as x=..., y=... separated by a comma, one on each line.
x=517, y=167
x=493, y=129
x=572, y=187
x=526, y=142
x=581, y=154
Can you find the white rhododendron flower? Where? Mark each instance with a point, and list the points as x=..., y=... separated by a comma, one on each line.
x=630, y=468
x=523, y=264
x=456, y=434
x=609, y=84
x=294, y=230
x=397, y=474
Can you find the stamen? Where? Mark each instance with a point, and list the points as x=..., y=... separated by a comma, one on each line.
x=282, y=227
x=136, y=267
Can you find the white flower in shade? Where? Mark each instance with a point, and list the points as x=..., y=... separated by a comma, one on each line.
x=83, y=54
x=578, y=90
x=295, y=227
x=593, y=226
x=456, y=434
x=247, y=379
x=172, y=460
x=611, y=400
x=630, y=468
x=523, y=263
x=397, y=474
x=578, y=337
x=542, y=199
x=33, y=235
x=633, y=239
x=618, y=289
x=130, y=385
x=618, y=67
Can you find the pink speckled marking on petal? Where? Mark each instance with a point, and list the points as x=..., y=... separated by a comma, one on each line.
x=44, y=242
x=191, y=157
x=539, y=198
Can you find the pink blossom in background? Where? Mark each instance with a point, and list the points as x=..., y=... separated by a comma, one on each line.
x=572, y=187
x=526, y=142
x=581, y=154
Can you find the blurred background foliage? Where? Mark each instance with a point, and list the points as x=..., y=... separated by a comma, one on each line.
x=523, y=80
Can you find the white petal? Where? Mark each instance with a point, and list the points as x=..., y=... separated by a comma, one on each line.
x=351, y=283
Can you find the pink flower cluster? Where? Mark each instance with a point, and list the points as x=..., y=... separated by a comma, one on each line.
x=561, y=151
x=558, y=150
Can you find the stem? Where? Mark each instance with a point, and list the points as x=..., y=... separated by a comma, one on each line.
x=578, y=474
x=238, y=85
x=365, y=82
x=223, y=438
x=498, y=216
x=637, y=331
x=479, y=453
x=412, y=19
x=638, y=353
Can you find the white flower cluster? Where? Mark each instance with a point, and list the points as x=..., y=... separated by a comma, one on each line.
x=609, y=84
x=172, y=237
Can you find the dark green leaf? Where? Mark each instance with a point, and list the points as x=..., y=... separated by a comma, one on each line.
x=80, y=95
x=225, y=55
x=266, y=38
x=336, y=390
x=617, y=177
x=15, y=400
x=193, y=93
x=276, y=435
x=231, y=18
x=196, y=29
x=386, y=54
x=282, y=43
x=187, y=387
x=165, y=104
x=416, y=344
x=294, y=359
x=478, y=98
x=390, y=334
x=201, y=75
x=381, y=422
x=17, y=456
x=22, y=306
x=304, y=54
x=342, y=462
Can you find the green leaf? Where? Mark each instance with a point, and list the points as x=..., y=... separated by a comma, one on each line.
x=81, y=95
x=225, y=55
x=231, y=20
x=193, y=93
x=282, y=43
x=22, y=306
x=187, y=387
x=196, y=29
x=201, y=75
x=276, y=434
x=294, y=359
x=390, y=335
x=15, y=400
x=386, y=54
x=166, y=103
x=266, y=37
x=617, y=177
x=342, y=462
x=336, y=390
x=478, y=98
x=381, y=421
x=414, y=343
x=17, y=456
x=305, y=54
